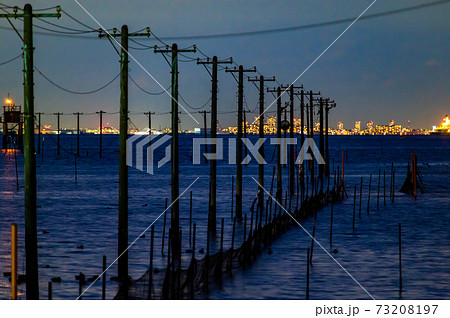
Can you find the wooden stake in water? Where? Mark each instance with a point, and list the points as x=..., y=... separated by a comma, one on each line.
x=393, y=185
x=234, y=231
x=360, y=197
x=179, y=266
x=384, y=187
x=354, y=207
x=232, y=197
x=190, y=218
x=378, y=195
x=192, y=261
x=245, y=227
x=307, y=185
x=17, y=168
x=164, y=229
x=343, y=161
x=14, y=261
x=221, y=249
x=285, y=200
x=206, y=278
x=250, y=232
x=80, y=289
x=390, y=187
x=331, y=223
x=104, y=278
x=313, y=235
x=414, y=173
x=307, y=274
x=75, y=161
x=400, y=255
x=150, y=270
x=368, y=198
x=50, y=291
x=168, y=250
x=193, y=242
x=338, y=181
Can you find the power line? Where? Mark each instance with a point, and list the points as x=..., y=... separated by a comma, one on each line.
x=64, y=27
x=14, y=58
x=77, y=21
x=145, y=91
x=144, y=47
x=266, y=31
x=306, y=26
x=193, y=107
x=75, y=92
x=61, y=32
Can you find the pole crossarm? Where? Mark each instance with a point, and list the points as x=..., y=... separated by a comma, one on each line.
x=261, y=79
x=237, y=70
x=114, y=34
x=288, y=87
x=169, y=50
x=210, y=61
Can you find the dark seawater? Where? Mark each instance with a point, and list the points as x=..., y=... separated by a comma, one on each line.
x=85, y=213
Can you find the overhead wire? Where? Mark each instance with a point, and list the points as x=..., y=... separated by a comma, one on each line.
x=193, y=107
x=63, y=27
x=13, y=59
x=61, y=32
x=77, y=21
x=144, y=90
x=75, y=92
x=268, y=31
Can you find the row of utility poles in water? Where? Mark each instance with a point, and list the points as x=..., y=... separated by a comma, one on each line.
x=32, y=286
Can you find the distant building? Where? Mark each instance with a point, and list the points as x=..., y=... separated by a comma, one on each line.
x=391, y=123
x=370, y=125
x=340, y=125
x=358, y=126
x=202, y=130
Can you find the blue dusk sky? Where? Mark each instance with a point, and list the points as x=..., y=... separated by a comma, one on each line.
x=390, y=67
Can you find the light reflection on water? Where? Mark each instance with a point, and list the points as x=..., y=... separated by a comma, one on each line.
x=70, y=215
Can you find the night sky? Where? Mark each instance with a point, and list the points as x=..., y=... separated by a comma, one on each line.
x=390, y=67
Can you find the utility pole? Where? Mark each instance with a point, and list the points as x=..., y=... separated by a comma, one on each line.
x=261, y=89
x=59, y=132
x=311, y=133
x=240, y=72
x=290, y=89
x=175, y=216
x=321, y=141
x=205, y=133
x=279, y=195
x=101, y=132
x=149, y=115
x=328, y=105
x=122, y=245
x=245, y=128
x=78, y=132
x=302, y=137
x=39, y=133
x=32, y=280
x=213, y=163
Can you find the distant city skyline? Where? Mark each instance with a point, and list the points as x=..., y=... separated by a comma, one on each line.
x=270, y=122
x=390, y=67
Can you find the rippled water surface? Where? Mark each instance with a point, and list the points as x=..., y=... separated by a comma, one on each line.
x=85, y=213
